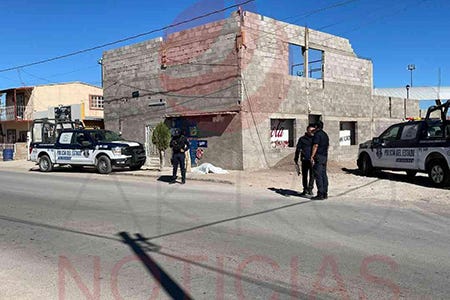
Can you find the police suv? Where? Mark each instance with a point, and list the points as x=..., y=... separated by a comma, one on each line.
x=415, y=146
x=88, y=147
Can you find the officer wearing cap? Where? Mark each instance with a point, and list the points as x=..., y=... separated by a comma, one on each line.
x=303, y=151
x=179, y=145
x=319, y=158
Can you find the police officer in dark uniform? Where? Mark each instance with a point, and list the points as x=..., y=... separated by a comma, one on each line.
x=179, y=145
x=319, y=158
x=304, y=149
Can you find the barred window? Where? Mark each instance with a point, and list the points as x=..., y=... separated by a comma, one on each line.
x=96, y=101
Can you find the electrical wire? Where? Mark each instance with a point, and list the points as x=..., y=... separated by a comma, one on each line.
x=124, y=39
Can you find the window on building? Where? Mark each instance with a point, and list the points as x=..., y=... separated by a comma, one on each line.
x=22, y=136
x=347, y=133
x=313, y=119
x=11, y=135
x=315, y=63
x=297, y=61
x=96, y=102
x=282, y=133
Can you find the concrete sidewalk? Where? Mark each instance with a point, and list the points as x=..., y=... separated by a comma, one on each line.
x=284, y=177
x=232, y=177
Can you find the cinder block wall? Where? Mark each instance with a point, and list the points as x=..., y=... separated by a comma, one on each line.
x=194, y=71
x=344, y=94
x=241, y=64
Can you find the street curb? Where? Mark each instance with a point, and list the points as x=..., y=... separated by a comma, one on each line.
x=213, y=180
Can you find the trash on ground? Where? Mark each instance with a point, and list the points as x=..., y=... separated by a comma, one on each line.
x=206, y=168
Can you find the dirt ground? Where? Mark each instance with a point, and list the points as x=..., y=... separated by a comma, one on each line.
x=346, y=184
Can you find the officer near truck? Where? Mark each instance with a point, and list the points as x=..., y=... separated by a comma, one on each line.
x=179, y=145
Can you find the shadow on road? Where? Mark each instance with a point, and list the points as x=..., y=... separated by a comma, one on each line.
x=174, y=290
x=285, y=192
x=423, y=181
x=164, y=279
x=165, y=178
x=79, y=169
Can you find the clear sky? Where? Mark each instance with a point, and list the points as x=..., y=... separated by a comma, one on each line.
x=392, y=34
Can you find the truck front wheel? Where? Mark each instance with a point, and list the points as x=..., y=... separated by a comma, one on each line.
x=104, y=165
x=365, y=165
x=439, y=173
x=45, y=164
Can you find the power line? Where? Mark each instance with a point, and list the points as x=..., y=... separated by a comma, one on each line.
x=124, y=39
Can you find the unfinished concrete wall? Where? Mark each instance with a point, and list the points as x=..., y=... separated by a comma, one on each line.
x=193, y=72
x=344, y=94
x=241, y=64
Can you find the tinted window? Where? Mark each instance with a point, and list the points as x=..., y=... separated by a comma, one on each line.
x=105, y=136
x=65, y=138
x=391, y=134
x=410, y=132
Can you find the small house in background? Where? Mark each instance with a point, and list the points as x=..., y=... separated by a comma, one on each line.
x=21, y=105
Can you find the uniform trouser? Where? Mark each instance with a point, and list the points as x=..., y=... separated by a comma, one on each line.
x=307, y=171
x=179, y=159
x=320, y=173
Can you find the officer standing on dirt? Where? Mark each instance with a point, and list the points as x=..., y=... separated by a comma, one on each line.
x=319, y=158
x=304, y=149
x=179, y=145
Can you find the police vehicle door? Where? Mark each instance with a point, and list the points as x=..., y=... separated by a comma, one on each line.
x=385, y=150
x=406, y=147
x=82, y=148
x=64, y=145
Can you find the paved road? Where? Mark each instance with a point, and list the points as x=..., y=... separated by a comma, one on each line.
x=63, y=236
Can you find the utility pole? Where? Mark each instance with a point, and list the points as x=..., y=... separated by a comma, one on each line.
x=411, y=68
x=404, y=101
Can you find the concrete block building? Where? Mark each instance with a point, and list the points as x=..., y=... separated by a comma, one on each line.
x=244, y=88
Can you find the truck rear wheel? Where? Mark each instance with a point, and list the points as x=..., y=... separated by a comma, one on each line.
x=45, y=164
x=104, y=164
x=439, y=173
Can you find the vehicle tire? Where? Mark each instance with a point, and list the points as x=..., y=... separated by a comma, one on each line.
x=439, y=173
x=104, y=164
x=136, y=167
x=365, y=165
x=45, y=164
x=411, y=173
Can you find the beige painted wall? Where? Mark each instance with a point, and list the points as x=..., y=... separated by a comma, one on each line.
x=47, y=96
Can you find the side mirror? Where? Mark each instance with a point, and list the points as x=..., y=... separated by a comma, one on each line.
x=376, y=141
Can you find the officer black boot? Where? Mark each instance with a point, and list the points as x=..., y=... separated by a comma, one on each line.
x=318, y=197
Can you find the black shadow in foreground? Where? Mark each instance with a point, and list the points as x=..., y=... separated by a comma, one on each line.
x=165, y=178
x=285, y=192
x=171, y=287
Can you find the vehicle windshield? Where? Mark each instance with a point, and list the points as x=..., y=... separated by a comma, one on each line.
x=105, y=136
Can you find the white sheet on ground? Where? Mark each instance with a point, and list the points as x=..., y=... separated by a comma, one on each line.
x=206, y=168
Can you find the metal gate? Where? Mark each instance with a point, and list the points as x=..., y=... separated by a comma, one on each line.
x=150, y=149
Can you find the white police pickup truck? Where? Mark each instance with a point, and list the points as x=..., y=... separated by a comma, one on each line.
x=415, y=146
x=88, y=147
